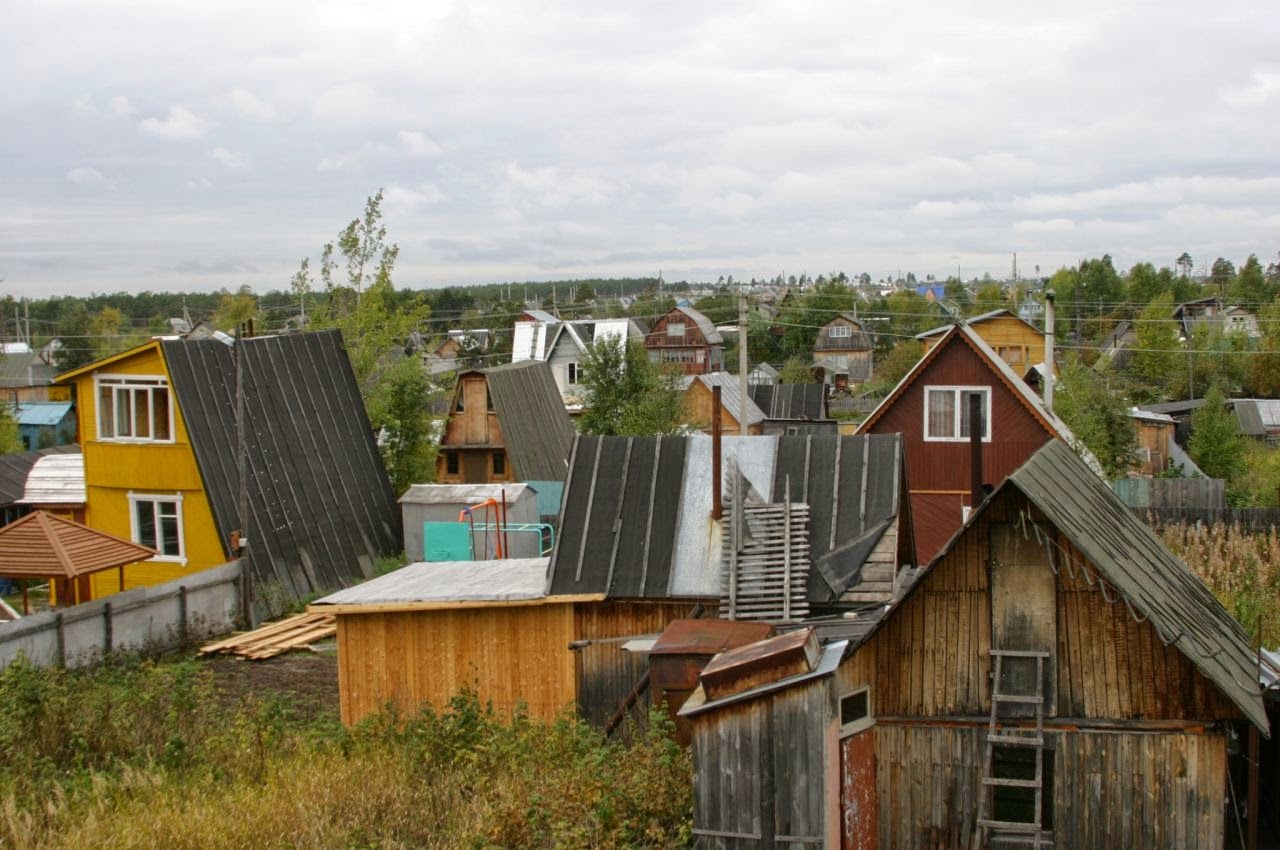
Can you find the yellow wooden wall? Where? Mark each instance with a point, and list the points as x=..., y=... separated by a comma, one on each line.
x=473, y=430
x=1006, y=331
x=509, y=654
x=112, y=470
x=699, y=406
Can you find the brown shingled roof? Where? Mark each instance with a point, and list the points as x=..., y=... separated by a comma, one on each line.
x=41, y=545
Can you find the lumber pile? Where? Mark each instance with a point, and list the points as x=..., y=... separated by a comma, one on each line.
x=272, y=639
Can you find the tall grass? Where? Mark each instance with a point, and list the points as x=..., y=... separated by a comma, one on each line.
x=1242, y=569
x=137, y=754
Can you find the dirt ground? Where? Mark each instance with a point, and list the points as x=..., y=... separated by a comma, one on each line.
x=307, y=681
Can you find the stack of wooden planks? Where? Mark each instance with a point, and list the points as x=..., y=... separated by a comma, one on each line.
x=272, y=639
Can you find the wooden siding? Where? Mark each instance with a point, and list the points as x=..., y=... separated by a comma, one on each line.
x=113, y=470
x=474, y=435
x=510, y=655
x=703, y=357
x=699, y=406
x=1131, y=790
x=1153, y=446
x=605, y=673
x=1006, y=333
x=763, y=792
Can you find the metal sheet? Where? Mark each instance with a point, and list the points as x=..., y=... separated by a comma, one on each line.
x=511, y=579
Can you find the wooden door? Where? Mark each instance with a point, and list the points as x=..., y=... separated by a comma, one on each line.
x=1024, y=612
x=859, y=813
x=475, y=467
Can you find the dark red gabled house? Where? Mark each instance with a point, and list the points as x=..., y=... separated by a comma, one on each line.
x=689, y=340
x=930, y=408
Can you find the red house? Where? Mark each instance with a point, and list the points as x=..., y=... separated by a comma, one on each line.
x=930, y=408
x=688, y=339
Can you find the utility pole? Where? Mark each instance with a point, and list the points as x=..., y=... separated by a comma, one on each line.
x=742, y=360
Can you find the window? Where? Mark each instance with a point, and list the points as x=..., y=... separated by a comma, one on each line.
x=573, y=374
x=134, y=409
x=855, y=711
x=451, y=463
x=675, y=329
x=499, y=463
x=840, y=331
x=156, y=521
x=946, y=413
x=1014, y=355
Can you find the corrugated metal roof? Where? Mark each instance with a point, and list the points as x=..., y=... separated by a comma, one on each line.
x=56, y=480
x=460, y=494
x=1131, y=558
x=14, y=469
x=505, y=580
x=42, y=413
x=25, y=369
x=730, y=398
x=704, y=324
x=534, y=422
x=636, y=513
x=790, y=401
x=321, y=508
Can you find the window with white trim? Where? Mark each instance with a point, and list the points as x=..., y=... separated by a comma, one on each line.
x=156, y=522
x=855, y=711
x=946, y=413
x=572, y=372
x=675, y=329
x=838, y=331
x=134, y=409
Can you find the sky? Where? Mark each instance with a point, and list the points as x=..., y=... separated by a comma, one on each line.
x=183, y=145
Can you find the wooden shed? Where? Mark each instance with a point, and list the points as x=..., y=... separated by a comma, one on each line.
x=1122, y=738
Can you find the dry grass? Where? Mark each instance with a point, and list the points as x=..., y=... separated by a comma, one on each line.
x=189, y=774
x=1243, y=571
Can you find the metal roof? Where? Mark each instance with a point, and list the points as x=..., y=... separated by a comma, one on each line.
x=56, y=479
x=460, y=494
x=1132, y=559
x=635, y=520
x=730, y=397
x=321, y=510
x=42, y=413
x=14, y=469
x=790, y=401
x=506, y=580
x=832, y=653
x=535, y=425
x=704, y=324
x=25, y=369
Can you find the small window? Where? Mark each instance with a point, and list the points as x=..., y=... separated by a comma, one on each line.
x=1014, y=355
x=451, y=463
x=499, y=463
x=573, y=375
x=488, y=399
x=458, y=406
x=855, y=711
x=841, y=331
x=946, y=415
x=675, y=329
x=157, y=523
x=134, y=409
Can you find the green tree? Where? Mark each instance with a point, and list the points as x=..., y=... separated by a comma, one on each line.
x=990, y=297
x=1264, y=366
x=408, y=450
x=10, y=442
x=1145, y=283
x=796, y=370
x=1185, y=264
x=1157, y=358
x=1098, y=416
x=1216, y=444
x=236, y=309
x=625, y=393
x=891, y=369
x=1251, y=286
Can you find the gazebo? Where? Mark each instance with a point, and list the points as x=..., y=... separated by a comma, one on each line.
x=44, y=546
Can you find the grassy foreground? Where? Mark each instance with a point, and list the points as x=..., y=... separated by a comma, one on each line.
x=1242, y=569
x=138, y=754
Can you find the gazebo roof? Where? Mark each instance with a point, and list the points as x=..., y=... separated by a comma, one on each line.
x=41, y=545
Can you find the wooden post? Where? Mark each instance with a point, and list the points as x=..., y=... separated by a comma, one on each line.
x=107, y=637
x=716, y=507
x=61, y=636
x=182, y=613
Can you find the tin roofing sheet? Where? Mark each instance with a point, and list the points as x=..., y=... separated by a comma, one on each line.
x=506, y=580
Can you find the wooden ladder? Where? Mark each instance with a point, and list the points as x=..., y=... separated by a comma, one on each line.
x=1007, y=832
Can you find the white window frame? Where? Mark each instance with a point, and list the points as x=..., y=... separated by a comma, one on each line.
x=862, y=723
x=840, y=332
x=134, y=532
x=959, y=393
x=123, y=385
x=572, y=375
x=676, y=329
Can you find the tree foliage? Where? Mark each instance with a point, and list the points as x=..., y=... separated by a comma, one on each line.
x=236, y=309
x=1156, y=358
x=1216, y=444
x=796, y=370
x=1098, y=416
x=1264, y=366
x=10, y=442
x=627, y=394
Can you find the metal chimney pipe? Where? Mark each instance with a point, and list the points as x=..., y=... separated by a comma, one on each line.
x=976, y=430
x=716, y=508
x=1049, y=295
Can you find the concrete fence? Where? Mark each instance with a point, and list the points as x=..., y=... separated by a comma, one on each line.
x=160, y=617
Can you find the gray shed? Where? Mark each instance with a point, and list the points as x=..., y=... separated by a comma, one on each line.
x=431, y=503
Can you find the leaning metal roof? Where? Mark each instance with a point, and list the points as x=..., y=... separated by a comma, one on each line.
x=534, y=422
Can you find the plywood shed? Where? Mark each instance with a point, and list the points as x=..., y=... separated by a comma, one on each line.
x=425, y=632
x=423, y=503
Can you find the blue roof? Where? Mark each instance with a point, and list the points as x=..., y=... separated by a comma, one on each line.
x=42, y=412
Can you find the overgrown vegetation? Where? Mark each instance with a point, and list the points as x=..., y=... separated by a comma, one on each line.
x=1242, y=570
x=138, y=754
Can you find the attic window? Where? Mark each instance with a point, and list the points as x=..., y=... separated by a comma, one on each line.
x=573, y=374
x=675, y=329
x=946, y=413
x=134, y=409
x=841, y=331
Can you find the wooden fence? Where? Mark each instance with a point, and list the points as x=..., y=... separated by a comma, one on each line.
x=1252, y=520
x=1179, y=493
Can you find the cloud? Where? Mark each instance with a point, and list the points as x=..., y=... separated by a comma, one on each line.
x=229, y=159
x=179, y=125
x=407, y=199
x=947, y=209
x=198, y=183
x=85, y=176
x=121, y=107
x=1260, y=89
x=249, y=105
x=418, y=144
x=1053, y=225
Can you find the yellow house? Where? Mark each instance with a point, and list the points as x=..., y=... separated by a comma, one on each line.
x=142, y=481
x=158, y=427
x=1014, y=340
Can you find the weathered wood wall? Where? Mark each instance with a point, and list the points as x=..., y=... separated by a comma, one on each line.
x=770, y=787
x=1110, y=790
x=511, y=655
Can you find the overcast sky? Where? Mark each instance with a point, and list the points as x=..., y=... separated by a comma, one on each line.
x=199, y=145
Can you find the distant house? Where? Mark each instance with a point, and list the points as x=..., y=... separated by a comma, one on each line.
x=699, y=405
x=158, y=429
x=569, y=344
x=507, y=423
x=1155, y=434
x=26, y=376
x=44, y=424
x=762, y=373
x=1238, y=320
x=930, y=408
x=1192, y=314
x=16, y=473
x=1015, y=341
x=842, y=353
x=1116, y=350
x=770, y=409
x=686, y=338
x=1055, y=676
x=791, y=402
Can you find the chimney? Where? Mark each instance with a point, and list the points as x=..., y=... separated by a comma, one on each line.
x=716, y=509
x=1048, y=349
